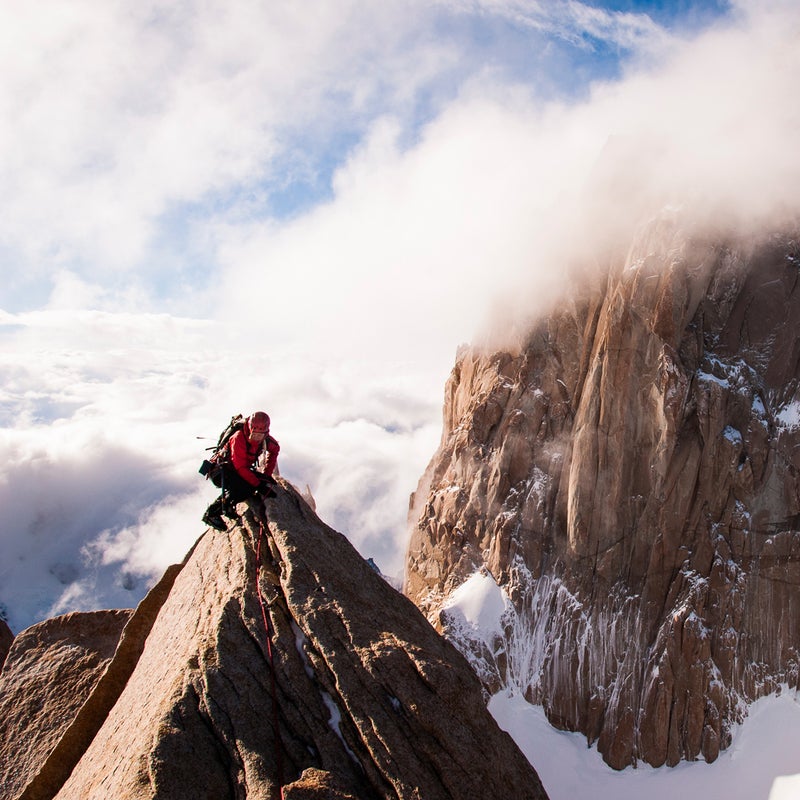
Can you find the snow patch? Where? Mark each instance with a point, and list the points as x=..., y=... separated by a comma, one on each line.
x=763, y=753
x=299, y=643
x=732, y=435
x=481, y=603
x=785, y=787
x=707, y=377
x=789, y=415
x=335, y=721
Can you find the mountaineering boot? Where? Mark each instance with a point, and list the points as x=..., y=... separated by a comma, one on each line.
x=213, y=516
x=229, y=510
x=215, y=521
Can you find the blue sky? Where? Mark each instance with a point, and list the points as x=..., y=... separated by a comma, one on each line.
x=221, y=206
x=118, y=126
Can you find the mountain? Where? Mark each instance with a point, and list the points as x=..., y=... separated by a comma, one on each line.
x=625, y=480
x=6, y=638
x=273, y=662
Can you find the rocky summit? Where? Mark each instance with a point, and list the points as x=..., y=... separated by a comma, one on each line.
x=275, y=662
x=628, y=475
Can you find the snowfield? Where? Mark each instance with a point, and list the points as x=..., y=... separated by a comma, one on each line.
x=761, y=764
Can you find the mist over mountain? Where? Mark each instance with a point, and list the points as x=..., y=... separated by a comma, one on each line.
x=626, y=480
x=608, y=530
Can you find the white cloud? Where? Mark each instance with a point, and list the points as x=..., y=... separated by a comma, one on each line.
x=120, y=110
x=124, y=112
x=577, y=22
x=499, y=193
x=401, y=264
x=99, y=419
x=342, y=321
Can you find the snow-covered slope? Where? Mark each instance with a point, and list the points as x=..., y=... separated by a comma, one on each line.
x=762, y=762
x=764, y=746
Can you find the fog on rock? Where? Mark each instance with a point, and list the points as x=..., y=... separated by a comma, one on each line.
x=629, y=476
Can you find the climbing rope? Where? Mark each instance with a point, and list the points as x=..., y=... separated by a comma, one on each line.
x=275, y=722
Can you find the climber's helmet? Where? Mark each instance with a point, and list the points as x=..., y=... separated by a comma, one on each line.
x=258, y=425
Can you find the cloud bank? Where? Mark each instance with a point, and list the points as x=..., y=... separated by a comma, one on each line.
x=310, y=219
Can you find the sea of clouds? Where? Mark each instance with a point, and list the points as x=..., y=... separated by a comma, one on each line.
x=215, y=208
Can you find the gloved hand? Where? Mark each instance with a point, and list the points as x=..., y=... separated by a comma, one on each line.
x=265, y=487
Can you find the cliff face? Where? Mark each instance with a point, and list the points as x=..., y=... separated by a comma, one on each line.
x=69, y=652
x=353, y=694
x=6, y=637
x=629, y=477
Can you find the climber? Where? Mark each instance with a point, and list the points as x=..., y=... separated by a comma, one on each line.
x=233, y=467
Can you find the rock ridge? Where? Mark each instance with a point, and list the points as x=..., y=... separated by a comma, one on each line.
x=83, y=688
x=371, y=702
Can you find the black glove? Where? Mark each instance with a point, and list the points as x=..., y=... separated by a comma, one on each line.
x=265, y=487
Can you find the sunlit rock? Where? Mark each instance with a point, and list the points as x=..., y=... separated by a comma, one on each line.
x=51, y=670
x=339, y=689
x=629, y=475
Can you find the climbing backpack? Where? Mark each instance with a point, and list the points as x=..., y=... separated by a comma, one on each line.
x=211, y=467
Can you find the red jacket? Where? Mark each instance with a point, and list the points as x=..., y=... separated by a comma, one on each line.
x=245, y=453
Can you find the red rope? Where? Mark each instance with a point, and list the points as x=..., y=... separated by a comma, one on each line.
x=276, y=730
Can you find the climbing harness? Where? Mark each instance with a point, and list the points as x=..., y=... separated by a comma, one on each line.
x=275, y=722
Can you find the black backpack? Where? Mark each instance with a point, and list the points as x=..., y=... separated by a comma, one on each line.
x=212, y=466
x=221, y=447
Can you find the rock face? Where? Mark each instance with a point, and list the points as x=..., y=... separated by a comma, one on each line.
x=69, y=652
x=629, y=476
x=59, y=682
x=352, y=695
x=6, y=637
